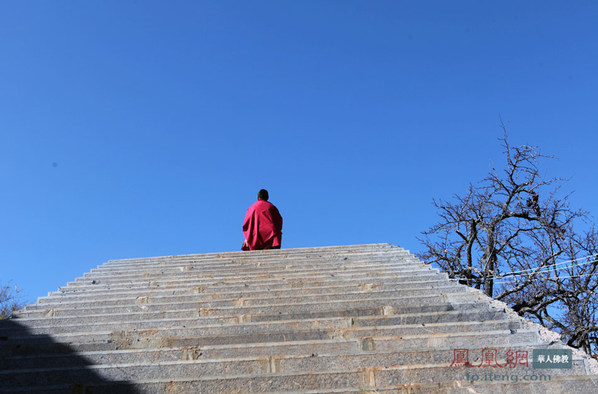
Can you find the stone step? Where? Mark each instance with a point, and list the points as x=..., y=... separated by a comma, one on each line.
x=544, y=384
x=556, y=385
x=261, y=333
x=216, y=287
x=262, y=275
x=261, y=257
x=57, y=326
x=272, y=348
x=340, y=310
x=223, y=292
x=436, y=355
x=368, y=321
x=261, y=272
x=288, y=280
x=203, y=308
x=214, y=300
x=328, y=319
x=381, y=363
x=327, y=252
x=255, y=282
x=306, y=254
x=244, y=268
x=174, y=377
x=398, y=260
x=228, y=266
x=274, y=261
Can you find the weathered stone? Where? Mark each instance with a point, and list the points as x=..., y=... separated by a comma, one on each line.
x=364, y=318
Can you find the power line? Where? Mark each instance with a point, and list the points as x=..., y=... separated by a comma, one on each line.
x=548, y=267
x=506, y=280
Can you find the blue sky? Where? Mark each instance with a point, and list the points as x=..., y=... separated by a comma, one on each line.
x=145, y=128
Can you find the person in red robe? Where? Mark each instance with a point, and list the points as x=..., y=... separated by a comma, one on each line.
x=263, y=225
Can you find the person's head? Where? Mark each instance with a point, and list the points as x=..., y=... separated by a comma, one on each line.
x=263, y=195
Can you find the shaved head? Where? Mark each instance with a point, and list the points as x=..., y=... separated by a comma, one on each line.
x=263, y=195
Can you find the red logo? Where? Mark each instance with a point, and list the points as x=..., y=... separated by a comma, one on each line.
x=490, y=358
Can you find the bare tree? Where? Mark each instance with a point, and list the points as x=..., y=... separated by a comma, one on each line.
x=9, y=301
x=563, y=296
x=512, y=235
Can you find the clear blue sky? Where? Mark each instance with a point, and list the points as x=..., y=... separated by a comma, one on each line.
x=144, y=128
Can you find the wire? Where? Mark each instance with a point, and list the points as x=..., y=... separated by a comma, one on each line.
x=504, y=279
x=560, y=277
x=549, y=267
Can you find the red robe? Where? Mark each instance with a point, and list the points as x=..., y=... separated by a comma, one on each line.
x=262, y=226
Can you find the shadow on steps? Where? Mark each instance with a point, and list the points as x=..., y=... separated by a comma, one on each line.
x=65, y=372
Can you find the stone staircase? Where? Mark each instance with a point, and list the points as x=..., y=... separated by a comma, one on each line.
x=363, y=318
